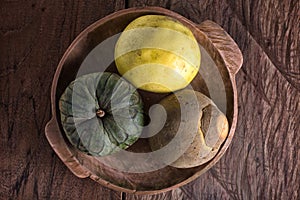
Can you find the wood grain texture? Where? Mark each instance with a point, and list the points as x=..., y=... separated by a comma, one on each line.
x=277, y=30
x=34, y=35
x=263, y=161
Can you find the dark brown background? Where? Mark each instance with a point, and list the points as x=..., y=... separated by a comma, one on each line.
x=263, y=161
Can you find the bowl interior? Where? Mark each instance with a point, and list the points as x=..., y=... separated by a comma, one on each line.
x=83, y=57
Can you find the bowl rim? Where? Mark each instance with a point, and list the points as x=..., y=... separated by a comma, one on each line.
x=155, y=10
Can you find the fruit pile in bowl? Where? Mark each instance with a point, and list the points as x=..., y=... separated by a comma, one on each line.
x=131, y=107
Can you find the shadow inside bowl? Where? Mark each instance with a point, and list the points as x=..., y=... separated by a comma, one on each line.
x=93, y=51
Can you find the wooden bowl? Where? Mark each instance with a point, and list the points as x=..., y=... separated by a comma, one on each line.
x=221, y=59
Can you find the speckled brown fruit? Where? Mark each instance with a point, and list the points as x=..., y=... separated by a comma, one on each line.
x=200, y=125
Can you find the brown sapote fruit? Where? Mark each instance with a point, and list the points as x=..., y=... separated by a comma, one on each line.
x=197, y=125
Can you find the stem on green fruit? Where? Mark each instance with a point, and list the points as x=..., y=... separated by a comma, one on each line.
x=100, y=113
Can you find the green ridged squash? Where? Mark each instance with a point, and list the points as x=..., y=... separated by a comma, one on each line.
x=101, y=113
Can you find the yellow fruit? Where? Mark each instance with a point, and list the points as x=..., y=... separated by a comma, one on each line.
x=158, y=54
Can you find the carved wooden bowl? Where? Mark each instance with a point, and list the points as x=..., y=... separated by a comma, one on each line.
x=221, y=59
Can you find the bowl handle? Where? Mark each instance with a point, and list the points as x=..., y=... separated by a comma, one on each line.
x=61, y=149
x=226, y=46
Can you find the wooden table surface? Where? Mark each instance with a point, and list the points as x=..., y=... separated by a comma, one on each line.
x=263, y=161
